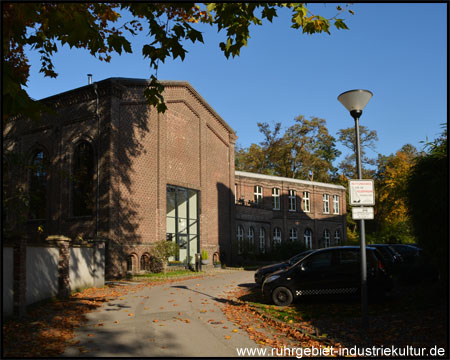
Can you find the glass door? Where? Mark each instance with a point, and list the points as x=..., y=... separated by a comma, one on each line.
x=182, y=222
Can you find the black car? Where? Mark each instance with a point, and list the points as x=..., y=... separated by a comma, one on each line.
x=264, y=271
x=392, y=258
x=329, y=271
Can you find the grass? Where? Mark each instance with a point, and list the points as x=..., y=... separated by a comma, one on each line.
x=168, y=275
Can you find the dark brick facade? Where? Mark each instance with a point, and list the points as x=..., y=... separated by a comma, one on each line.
x=138, y=152
x=291, y=213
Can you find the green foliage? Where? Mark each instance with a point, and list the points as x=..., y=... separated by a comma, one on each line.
x=100, y=29
x=305, y=151
x=204, y=255
x=427, y=189
x=368, y=139
x=164, y=249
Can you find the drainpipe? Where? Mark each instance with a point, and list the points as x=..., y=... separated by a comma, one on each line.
x=98, y=160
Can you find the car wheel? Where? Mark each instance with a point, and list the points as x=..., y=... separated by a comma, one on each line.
x=282, y=296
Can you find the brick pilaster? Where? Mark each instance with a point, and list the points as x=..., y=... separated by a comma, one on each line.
x=63, y=264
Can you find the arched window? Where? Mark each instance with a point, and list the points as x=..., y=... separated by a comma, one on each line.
x=307, y=237
x=251, y=239
x=262, y=240
x=337, y=237
x=293, y=236
x=83, y=196
x=326, y=238
x=240, y=238
x=38, y=186
x=276, y=236
x=145, y=262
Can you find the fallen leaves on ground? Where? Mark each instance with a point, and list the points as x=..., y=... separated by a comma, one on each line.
x=48, y=327
x=398, y=322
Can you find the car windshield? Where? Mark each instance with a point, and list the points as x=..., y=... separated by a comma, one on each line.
x=295, y=259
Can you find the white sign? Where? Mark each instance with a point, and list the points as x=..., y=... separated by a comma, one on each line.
x=362, y=213
x=362, y=192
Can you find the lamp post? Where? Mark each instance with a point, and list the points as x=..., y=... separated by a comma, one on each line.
x=355, y=101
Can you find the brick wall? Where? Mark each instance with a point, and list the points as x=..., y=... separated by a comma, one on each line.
x=249, y=214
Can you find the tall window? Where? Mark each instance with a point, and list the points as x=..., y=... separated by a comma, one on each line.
x=293, y=235
x=306, y=202
x=326, y=238
x=262, y=240
x=38, y=186
x=307, y=237
x=276, y=236
x=251, y=239
x=240, y=238
x=326, y=203
x=83, y=197
x=292, y=200
x=337, y=237
x=335, y=204
x=182, y=221
x=276, y=199
x=258, y=195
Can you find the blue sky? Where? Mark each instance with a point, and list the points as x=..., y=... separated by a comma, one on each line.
x=397, y=51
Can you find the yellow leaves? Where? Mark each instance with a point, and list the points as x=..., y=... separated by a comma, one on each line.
x=227, y=337
x=235, y=330
x=130, y=314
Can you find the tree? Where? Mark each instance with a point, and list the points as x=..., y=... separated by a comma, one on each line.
x=347, y=138
x=305, y=151
x=98, y=28
x=427, y=200
x=392, y=223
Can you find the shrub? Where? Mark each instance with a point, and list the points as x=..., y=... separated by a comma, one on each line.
x=156, y=264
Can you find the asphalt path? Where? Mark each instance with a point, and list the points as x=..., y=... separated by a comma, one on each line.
x=178, y=319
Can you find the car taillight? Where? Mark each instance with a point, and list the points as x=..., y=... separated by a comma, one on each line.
x=380, y=265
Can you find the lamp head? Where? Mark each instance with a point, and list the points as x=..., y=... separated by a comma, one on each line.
x=355, y=101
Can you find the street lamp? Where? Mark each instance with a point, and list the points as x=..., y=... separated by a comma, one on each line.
x=355, y=101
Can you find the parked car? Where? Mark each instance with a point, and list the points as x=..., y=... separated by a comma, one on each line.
x=409, y=253
x=392, y=258
x=329, y=271
x=417, y=266
x=264, y=271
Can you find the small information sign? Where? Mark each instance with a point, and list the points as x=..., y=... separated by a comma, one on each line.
x=362, y=192
x=362, y=213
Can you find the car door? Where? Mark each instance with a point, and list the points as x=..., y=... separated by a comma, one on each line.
x=314, y=275
x=348, y=271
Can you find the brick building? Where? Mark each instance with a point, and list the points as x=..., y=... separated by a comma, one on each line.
x=105, y=165
x=273, y=209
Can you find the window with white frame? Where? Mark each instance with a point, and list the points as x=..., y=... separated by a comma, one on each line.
x=292, y=200
x=276, y=236
x=306, y=202
x=240, y=238
x=293, y=235
x=326, y=203
x=335, y=204
x=337, y=237
x=258, y=194
x=262, y=240
x=307, y=238
x=326, y=238
x=251, y=239
x=276, y=199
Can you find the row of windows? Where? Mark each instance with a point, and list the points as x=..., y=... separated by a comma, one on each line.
x=277, y=236
x=292, y=200
x=82, y=182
